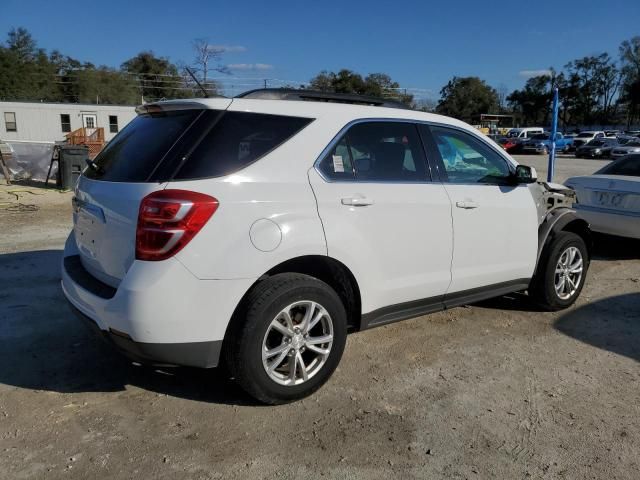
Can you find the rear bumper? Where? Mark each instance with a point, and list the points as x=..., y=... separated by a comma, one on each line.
x=611, y=222
x=195, y=354
x=160, y=313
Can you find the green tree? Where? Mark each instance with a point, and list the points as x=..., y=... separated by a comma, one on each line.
x=157, y=76
x=630, y=73
x=466, y=98
x=346, y=81
x=595, y=81
x=106, y=85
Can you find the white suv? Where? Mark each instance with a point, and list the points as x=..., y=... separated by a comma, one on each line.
x=258, y=232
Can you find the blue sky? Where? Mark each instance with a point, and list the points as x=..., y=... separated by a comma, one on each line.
x=421, y=44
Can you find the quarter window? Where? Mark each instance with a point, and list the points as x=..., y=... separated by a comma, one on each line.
x=377, y=152
x=65, y=122
x=469, y=160
x=10, y=122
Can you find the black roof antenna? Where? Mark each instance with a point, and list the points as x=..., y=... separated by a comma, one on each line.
x=204, y=90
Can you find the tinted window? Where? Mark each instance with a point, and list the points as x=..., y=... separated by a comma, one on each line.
x=628, y=166
x=467, y=159
x=189, y=144
x=137, y=150
x=236, y=140
x=378, y=152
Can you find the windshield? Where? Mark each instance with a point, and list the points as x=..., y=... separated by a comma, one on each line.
x=596, y=143
x=585, y=135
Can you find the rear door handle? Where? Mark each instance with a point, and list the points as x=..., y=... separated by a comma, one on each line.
x=467, y=204
x=357, y=201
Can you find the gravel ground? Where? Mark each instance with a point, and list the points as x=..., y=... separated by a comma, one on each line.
x=494, y=390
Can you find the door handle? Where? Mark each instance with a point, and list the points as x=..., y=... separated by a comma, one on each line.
x=467, y=204
x=357, y=201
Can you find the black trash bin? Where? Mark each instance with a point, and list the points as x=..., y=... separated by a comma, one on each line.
x=71, y=161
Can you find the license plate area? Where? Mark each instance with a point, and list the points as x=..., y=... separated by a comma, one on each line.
x=89, y=229
x=608, y=199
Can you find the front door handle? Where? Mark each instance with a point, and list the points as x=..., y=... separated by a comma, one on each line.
x=357, y=201
x=467, y=204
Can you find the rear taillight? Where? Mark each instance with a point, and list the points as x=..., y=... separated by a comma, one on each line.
x=168, y=220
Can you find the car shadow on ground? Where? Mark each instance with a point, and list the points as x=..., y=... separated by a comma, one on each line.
x=611, y=324
x=43, y=346
x=608, y=247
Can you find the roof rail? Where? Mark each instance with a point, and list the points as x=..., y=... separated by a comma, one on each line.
x=316, y=96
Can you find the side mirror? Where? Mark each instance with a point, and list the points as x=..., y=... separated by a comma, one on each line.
x=525, y=174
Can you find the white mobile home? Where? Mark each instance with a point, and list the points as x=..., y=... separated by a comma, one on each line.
x=49, y=122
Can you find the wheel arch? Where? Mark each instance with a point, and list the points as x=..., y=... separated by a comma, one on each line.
x=562, y=220
x=327, y=269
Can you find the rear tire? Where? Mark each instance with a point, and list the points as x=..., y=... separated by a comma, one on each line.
x=274, y=334
x=561, y=273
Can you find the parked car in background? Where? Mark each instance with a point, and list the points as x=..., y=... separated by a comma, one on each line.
x=290, y=222
x=585, y=137
x=524, y=133
x=541, y=143
x=610, y=198
x=632, y=133
x=612, y=133
x=624, y=139
x=508, y=143
x=631, y=147
x=598, y=148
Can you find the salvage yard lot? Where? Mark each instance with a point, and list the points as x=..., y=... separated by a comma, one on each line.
x=494, y=390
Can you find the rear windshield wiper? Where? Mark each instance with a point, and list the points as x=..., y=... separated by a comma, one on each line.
x=94, y=166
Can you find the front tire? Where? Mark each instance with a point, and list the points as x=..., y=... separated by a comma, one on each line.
x=561, y=272
x=287, y=338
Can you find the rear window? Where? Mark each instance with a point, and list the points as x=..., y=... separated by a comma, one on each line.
x=136, y=151
x=628, y=166
x=191, y=144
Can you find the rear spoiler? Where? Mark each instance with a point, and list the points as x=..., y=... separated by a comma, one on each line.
x=220, y=103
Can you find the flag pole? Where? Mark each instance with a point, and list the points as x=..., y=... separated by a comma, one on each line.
x=554, y=131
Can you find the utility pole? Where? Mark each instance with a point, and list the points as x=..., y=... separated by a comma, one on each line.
x=265, y=83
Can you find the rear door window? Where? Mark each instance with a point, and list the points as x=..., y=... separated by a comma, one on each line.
x=377, y=152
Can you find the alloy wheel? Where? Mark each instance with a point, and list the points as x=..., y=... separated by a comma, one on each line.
x=297, y=343
x=568, y=274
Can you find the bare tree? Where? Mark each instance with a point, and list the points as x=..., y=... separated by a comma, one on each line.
x=206, y=55
x=503, y=92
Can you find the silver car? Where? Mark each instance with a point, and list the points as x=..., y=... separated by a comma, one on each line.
x=631, y=147
x=610, y=198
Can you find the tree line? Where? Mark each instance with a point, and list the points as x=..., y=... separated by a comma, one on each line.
x=596, y=89
x=29, y=73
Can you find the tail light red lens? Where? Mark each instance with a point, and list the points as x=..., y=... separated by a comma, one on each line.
x=168, y=220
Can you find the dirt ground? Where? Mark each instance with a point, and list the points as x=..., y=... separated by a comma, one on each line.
x=494, y=390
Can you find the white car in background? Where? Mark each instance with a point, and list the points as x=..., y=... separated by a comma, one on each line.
x=257, y=231
x=610, y=198
x=631, y=147
x=585, y=137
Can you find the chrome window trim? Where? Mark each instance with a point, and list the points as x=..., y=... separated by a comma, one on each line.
x=435, y=177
